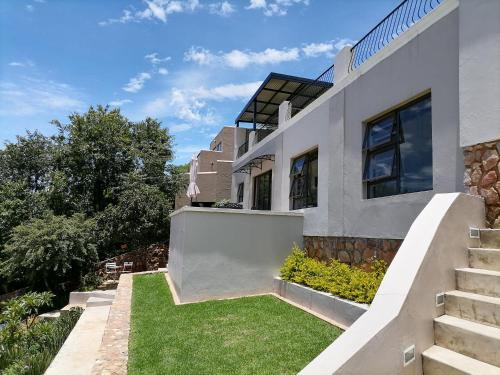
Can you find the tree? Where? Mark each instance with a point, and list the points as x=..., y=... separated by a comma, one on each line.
x=50, y=250
x=140, y=217
x=96, y=149
x=18, y=205
x=29, y=160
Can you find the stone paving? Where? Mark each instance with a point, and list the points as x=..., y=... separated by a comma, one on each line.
x=113, y=354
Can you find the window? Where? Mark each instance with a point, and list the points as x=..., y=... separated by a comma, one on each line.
x=398, y=149
x=262, y=191
x=218, y=147
x=240, y=192
x=304, y=181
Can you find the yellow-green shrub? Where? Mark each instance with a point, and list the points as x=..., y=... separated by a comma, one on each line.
x=334, y=277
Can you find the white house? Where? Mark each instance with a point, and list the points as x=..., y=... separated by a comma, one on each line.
x=363, y=159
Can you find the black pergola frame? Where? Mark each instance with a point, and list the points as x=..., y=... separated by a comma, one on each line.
x=250, y=114
x=254, y=163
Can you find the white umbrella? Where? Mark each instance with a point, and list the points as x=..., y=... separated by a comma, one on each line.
x=193, y=189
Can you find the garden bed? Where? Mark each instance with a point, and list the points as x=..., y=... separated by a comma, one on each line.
x=338, y=310
x=259, y=334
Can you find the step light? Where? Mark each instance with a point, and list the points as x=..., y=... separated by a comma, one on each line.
x=408, y=355
x=439, y=299
x=474, y=233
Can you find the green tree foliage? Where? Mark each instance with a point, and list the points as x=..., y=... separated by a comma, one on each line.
x=98, y=167
x=28, y=161
x=50, y=250
x=140, y=217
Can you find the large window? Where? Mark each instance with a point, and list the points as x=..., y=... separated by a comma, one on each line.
x=398, y=149
x=304, y=181
x=262, y=191
x=218, y=147
x=240, y=192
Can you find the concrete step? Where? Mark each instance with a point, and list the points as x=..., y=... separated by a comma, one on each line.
x=441, y=361
x=485, y=282
x=473, y=307
x=490, y=238
x=96, y=301
x=79, y=298
x=471, y=339
x=486, y=259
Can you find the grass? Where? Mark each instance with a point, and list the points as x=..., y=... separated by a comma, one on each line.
x=251, y=335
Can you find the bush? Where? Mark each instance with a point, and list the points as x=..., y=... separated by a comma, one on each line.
x=27, y=345
x=226, y=203
x=333, y=277
x=46, y=252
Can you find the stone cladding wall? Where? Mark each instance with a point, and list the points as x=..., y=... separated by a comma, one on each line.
x=482, y=177
x=355, y=251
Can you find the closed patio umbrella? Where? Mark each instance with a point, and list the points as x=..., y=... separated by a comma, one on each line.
x=193, y=189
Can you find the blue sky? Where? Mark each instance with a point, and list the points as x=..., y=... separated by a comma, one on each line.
x=191, y=64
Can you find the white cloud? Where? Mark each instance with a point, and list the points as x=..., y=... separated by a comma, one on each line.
x=30, y=8
x=192, y=104
x=157, y=10
x=39, y=1
x=275, y=7
x=223, y=9
x=154, y=58
x=180, y=128
x=199, y=55
x=136, y=83
x=241, y=59
x=120, y=102
x=22, y=64
x=317, y=49
x=162, y=71
x=34, y=96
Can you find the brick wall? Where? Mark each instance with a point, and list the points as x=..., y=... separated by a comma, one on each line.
x=482, y=177
x=355, y=251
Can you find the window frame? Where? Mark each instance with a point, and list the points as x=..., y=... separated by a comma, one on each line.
x=269, y=191
x=395, y=141
x=240, y=194
x=294, y=177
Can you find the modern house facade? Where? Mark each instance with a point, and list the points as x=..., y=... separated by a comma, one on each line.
x=214, y=172
x=363, y=159
x=398, y=158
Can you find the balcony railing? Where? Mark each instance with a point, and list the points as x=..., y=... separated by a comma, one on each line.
x=404, y=16
x=242, y=150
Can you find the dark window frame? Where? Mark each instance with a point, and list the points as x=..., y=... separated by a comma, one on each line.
x=240, y=193
x=256, y=182
x=309, y=157
x=394, y=142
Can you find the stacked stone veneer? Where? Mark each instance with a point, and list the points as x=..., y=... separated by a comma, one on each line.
x=145, y=259
x=355, y=251
x=482, y=177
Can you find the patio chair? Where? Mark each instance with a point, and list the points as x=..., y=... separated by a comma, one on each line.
x=127, y=267
x=111, y=269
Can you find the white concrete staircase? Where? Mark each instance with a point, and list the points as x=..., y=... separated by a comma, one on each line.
x=467, y=337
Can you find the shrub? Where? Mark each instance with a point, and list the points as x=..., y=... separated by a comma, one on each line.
x=46, y=252
x=334, y=277
x=27, y=345
x=226, y=203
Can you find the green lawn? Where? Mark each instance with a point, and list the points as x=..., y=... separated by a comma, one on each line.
x=252, y=335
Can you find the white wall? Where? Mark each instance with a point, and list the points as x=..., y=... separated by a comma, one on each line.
x=402, y=312
x=425, y=58
x=479, y=58
x=222, y=253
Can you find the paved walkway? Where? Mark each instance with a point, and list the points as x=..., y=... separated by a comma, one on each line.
x=113, y=354
x=77, y=355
